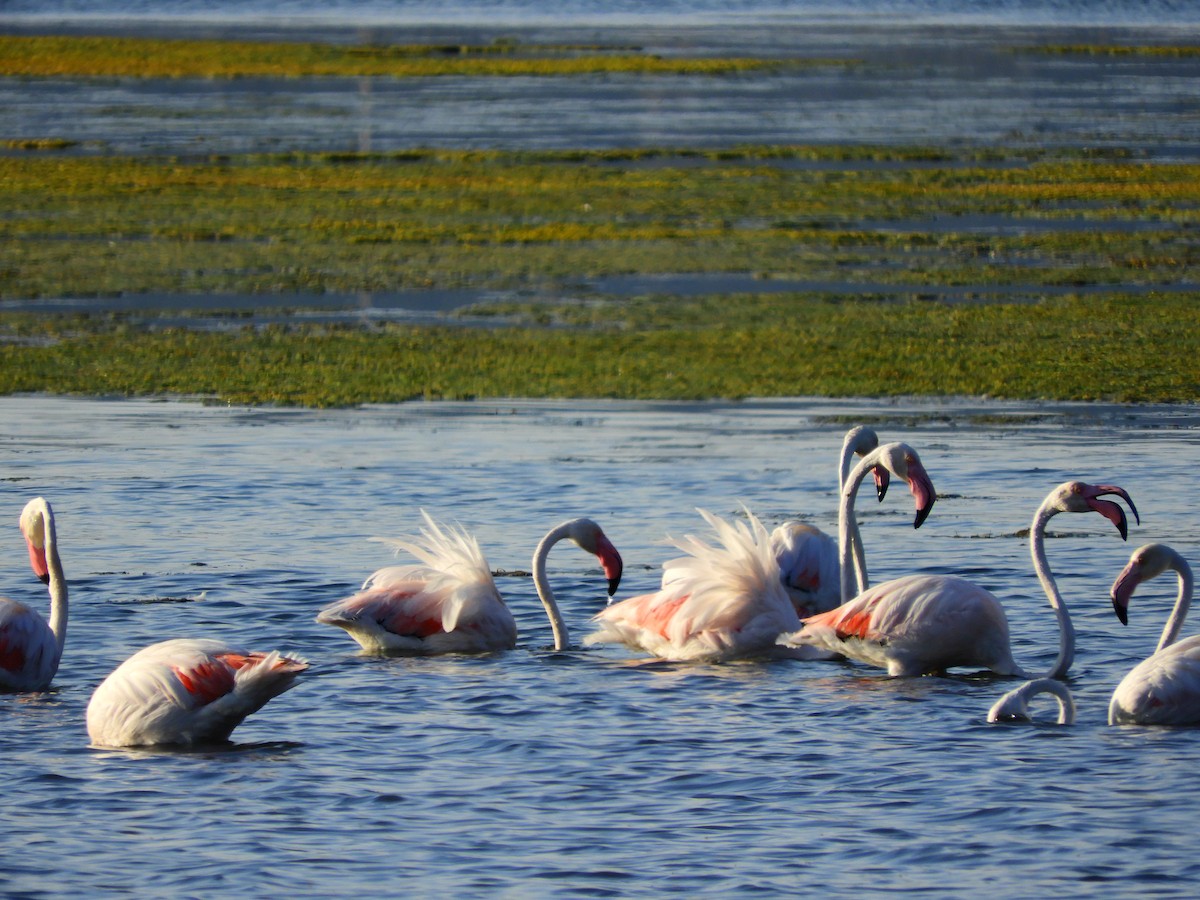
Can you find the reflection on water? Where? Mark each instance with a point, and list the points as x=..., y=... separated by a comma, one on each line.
x=581, y=772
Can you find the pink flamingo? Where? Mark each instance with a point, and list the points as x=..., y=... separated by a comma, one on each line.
x=923, y=624
x=1014, y=706
x=29, y=648
x=809, y=559
x=727, y=601
x=1163, y=689
x=450, y=603
x=185, y=692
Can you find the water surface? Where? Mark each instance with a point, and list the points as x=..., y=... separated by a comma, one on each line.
x=581, y=773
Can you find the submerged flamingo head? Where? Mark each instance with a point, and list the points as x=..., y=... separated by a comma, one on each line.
x=33, y=527
x=1147, y=561
x=1078, y=496
x=591, y=537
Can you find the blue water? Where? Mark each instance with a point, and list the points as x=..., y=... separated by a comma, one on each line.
x=536, y=773
x=925, y=72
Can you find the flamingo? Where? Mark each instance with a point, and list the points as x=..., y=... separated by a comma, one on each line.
x=450, y=604
x=923, y=624
x=809, y=559
x=29, y=648
x=727, y=601
x=1014, y=706
x=184, y=692
x=1163, y=689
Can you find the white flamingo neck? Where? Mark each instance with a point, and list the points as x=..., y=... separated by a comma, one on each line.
x=845, y=461
x=1183, y=601
x=542, y=583
x=1066, y=631
x=58, y=582
x=848, y=526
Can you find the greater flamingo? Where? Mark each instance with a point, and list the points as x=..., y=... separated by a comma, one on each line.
x=727, y=601
x=924, y=624
x=183, y=692
x=450, y=603
x=29, y=648
x=1014, y=706
x=1163, y=689
x=809, y=559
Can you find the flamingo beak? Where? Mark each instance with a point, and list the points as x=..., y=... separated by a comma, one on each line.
x=1123, y=588
x=882, y=479
x=612, y=563
x=1110, y=510
x=37, y=559
x=922, y=490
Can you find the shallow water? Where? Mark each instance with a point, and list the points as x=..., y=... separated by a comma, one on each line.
x=579, y=773
x=909, y=83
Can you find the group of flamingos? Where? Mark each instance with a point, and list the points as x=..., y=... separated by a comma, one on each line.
x=794, y=592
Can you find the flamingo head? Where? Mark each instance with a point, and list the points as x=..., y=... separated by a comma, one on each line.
x=591, y=537
x=902, y=461
x=33, y=527
x=862, y=439
x=1077, y=496
x=1147, y=562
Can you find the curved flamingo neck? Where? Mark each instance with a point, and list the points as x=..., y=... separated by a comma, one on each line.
x=848, y=525
x=58, y=582
x=542, y=584
x=1066, y=631
x=859, y=555
x=1183, y=601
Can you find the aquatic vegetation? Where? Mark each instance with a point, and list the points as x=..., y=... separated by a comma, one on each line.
x=959, y=264
x=1114, y=347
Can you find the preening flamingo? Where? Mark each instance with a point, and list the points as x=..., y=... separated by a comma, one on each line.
x=29, y=648
x=184, y=692
x=1165, y=688
x=923, y=624
x=450, y=603
x=1014, y=706
x=809, y=559
x=726, y=600
x=719, y=602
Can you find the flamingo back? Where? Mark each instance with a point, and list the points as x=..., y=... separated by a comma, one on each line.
x=916, y=625
x=184, y=692
x=29, y=652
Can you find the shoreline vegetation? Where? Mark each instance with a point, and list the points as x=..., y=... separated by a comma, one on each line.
x=1074, y=271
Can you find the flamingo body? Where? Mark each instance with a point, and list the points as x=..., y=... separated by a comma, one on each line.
x=918, y=624
x=449, y=603
x=1161, y=690
x=721, y=601
x=30, y=648
x=29, y=652
x=185, y=692
x=926, y=624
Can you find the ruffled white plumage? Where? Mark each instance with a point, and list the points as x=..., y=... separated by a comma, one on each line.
x=722, y=600
x=447, y=603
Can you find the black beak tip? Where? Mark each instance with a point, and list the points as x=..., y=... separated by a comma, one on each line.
x=44, y=579
x=922, y=515
x=613, y=584
x=1121, y=611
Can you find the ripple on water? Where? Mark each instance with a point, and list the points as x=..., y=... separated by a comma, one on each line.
x=583, y=772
